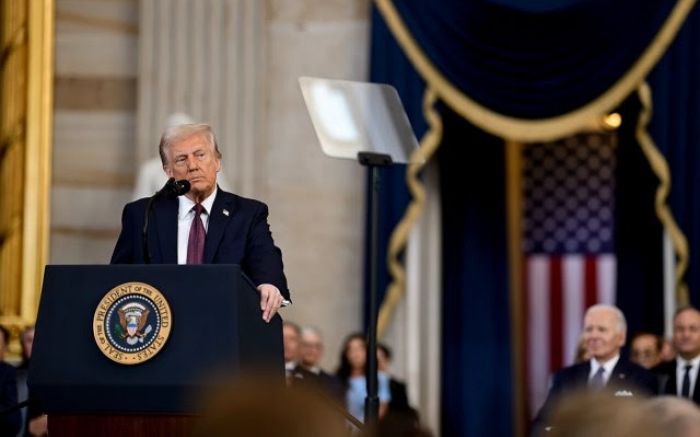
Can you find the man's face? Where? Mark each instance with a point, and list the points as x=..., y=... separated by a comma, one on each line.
x=290, y=338
x=686, y=333
x=194, y=159
x=644, y=351
x=601, y=334
x=311, y=349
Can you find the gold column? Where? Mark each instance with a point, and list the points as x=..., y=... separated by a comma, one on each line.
x=26, y=99
x=515, y=261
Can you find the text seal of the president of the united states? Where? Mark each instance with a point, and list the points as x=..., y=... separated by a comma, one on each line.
x=132, y=323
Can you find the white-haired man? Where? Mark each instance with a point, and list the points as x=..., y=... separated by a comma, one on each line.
x=604, y=334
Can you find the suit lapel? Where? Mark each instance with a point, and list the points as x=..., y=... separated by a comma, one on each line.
x=582, y=374
x=220, y=214
x=620, y=373
x=165, y=215
x=671, y=383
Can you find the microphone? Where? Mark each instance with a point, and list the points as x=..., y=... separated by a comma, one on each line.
x=174, y=188
x=170, y=190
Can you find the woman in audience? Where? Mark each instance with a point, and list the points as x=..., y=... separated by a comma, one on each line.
x=351, y=374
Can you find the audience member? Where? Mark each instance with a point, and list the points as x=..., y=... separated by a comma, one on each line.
x=645, y=349
x=309, y=370
x=679, y=377
x=399, y=413
x=351, y=373
x=399, y=396
x=582, y=354
x=33, y=422
x=290, y=336
x=10, y=423
x=668, y=352
x=678, y=417
x=256, y=407
x=604, y=333
x=596, y=414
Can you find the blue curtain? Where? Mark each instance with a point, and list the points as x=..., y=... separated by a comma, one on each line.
x=476, y=357
x=531, y=60
x=675, y=127
x=638, y=231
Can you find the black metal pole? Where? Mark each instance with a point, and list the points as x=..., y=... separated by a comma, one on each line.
x=372, y=400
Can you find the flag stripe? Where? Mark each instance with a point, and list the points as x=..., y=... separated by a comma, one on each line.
x=591, y=282
x=537, y=291
x=573, y=299
x=556, y=321
x=607, y=278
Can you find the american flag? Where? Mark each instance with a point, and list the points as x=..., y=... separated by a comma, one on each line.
x=568, y=250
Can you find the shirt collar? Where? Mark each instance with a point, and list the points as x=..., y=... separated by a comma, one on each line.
x=681, y=363
x=608, y=365
x=186, y=204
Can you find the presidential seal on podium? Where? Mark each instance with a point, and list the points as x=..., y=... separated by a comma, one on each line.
x=132, y=323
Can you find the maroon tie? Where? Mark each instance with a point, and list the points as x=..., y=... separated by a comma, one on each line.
x=195, y=242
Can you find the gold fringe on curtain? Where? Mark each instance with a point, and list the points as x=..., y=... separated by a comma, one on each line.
x=547, y=129
x=428, y=145
x=658, y=164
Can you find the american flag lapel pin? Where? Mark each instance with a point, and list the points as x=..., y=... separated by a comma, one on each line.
x=226, y=213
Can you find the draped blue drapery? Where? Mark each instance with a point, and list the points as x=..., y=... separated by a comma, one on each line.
x=532, y=60
x=476, y=358
x=675, y=127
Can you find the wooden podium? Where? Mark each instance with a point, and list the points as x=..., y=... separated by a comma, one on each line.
x=215, y=330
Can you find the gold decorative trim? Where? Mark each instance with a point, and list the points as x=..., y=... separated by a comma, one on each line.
x=15, y=42
x=428, y=145
x=545, y=129
x=38, y=153
x=515, y=260
x=658, y=164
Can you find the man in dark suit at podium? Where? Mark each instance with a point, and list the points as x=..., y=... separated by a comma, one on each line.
x=207, y=224
x=604, y=334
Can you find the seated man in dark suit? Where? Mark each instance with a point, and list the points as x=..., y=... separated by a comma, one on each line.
x=604, y=334
x=309, y=372
x=206, y=225
x=10, y=423
x=679, y=377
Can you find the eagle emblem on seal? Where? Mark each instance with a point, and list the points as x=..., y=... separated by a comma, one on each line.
x=133, y=319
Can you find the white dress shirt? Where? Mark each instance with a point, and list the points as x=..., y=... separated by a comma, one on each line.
x=680, y=372
x=185, y=214
x=607, y=366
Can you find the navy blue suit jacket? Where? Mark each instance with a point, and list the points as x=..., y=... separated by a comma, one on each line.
x=238, y=233
x=626, y=376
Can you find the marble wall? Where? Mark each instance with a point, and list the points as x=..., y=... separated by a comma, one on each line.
x=316, y=203
x=94, y=126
